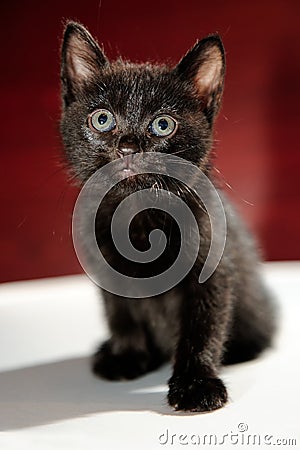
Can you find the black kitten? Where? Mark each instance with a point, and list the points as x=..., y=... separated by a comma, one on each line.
x=115, y=109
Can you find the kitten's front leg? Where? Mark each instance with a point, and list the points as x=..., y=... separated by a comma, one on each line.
x=206, y=312
x=130, y=351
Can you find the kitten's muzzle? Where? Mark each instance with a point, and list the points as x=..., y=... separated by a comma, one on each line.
x=126, y=149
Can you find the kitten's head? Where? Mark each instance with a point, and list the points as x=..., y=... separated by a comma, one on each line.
x=114, y=109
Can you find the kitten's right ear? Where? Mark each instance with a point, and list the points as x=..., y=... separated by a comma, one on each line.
x=203, y=67
x=81, y=60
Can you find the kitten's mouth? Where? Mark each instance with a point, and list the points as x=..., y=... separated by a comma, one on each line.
x=127, y=169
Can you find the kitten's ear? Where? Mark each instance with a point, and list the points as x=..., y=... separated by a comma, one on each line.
x=204, y=67
x=81, y=60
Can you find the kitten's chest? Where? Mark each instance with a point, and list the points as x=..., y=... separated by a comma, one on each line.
x=148, y=242
x=132, y=248
x=139, y=229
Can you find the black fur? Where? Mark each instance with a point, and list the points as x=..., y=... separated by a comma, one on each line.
x=227, y=319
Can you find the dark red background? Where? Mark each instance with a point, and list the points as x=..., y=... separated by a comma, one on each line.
x=256, y=134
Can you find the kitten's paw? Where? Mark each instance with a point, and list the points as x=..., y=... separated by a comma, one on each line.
x=197, y=395
x=125, y=365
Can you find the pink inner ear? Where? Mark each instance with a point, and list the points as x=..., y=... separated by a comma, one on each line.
x=80, y=60
x=209, y=74
x=79, y=69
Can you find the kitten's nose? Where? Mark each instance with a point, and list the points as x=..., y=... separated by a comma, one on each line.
x=127, y=146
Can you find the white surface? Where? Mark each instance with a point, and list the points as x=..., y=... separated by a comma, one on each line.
x=50, y=400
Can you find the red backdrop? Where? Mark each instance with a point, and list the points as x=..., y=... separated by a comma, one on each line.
x=256, y=134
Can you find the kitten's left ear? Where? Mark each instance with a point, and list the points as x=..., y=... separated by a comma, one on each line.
x=204, y=67
x=81, y=60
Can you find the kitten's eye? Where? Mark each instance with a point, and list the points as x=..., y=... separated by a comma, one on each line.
x=102, y=120
x=163, y=126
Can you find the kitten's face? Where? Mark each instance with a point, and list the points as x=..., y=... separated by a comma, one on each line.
x=121, y=110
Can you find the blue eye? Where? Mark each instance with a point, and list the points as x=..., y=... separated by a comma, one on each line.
x=163, y=126
x=102, y=120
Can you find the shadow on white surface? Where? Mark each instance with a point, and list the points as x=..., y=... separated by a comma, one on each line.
x=49, y=393
x=61, y=404
x=63, y=390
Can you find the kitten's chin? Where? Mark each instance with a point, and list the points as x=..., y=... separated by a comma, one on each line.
x=127, y=173
x=129, y=181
